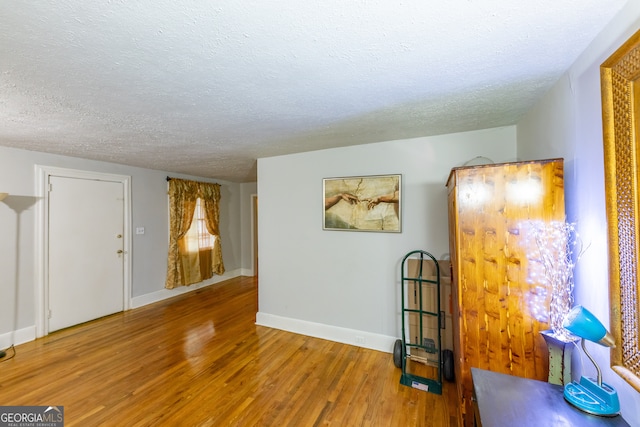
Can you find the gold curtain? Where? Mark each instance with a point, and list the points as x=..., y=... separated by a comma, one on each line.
x=184, y=267
x=211, y=197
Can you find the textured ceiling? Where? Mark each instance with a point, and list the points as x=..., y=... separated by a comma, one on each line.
x=206, y=87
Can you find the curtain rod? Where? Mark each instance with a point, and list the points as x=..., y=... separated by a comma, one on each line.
x=170, y=178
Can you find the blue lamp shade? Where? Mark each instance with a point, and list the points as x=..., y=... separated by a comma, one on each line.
x=582, y=323
x=590, y=394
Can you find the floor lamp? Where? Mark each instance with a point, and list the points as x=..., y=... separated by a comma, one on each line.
x=18, y=204
x=2, y=197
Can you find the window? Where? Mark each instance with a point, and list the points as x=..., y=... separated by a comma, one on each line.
x=195, y=254
x=198, y=237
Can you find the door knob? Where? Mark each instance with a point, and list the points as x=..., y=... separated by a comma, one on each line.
x=120, y=251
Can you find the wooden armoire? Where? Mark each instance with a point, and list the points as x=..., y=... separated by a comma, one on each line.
x=498, y=310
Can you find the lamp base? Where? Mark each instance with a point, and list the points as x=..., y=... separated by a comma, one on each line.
x=591, y=398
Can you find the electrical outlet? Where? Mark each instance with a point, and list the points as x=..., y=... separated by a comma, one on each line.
x=139, y=230
x=360, y=339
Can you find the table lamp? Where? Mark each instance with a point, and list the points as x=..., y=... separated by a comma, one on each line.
x=590, y=395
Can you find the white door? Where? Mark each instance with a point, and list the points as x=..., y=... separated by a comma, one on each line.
x=86, y=260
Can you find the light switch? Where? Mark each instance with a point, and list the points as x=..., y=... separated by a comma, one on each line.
x=139, y=230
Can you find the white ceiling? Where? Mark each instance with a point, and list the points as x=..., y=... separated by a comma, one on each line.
x=206, y=87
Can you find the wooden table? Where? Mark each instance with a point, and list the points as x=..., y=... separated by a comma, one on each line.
x=505, y=401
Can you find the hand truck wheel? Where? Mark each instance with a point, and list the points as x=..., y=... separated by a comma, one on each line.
x=397, y=353
x=447, y=365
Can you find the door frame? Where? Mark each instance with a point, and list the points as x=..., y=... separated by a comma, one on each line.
x=43, y=173
x=254, y=233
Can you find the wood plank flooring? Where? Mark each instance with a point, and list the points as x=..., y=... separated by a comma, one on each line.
x=200, y=360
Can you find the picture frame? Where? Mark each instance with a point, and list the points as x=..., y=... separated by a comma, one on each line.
x=363, y=203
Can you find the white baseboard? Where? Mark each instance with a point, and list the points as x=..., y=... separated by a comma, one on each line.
x=355, y=337
x=246, y=272
x=18, y=337
x=163, y=294
x=27, y=334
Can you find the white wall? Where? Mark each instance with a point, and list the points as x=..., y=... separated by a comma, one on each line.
x=568, y=123
x=344, y=285
x=149, y=251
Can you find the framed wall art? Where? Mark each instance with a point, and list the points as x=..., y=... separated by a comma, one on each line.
x=363, y=203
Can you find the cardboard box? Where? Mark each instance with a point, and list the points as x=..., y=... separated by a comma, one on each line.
x=429, y=293
x=428, y=339
x=428, y=273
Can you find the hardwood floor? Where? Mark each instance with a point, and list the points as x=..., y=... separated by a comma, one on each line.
x=200, y=360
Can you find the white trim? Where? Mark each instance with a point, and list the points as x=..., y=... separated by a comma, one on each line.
x=27, y=334
x=18, y=337
x=253, y=234
x=164, y=294
x=42, y=235
x=355, y=337
x=245, y=272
